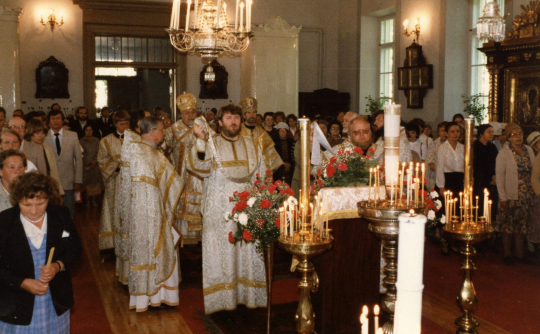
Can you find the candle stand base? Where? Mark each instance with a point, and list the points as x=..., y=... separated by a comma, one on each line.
x=466, y=299
x=305, y=317
x=383, y=222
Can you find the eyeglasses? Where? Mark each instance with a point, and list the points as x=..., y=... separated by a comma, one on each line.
x=20, y=127
x=361, y=131
x=516, y=134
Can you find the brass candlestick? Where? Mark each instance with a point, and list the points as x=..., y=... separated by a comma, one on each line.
x=303, y=238
x=465, y=225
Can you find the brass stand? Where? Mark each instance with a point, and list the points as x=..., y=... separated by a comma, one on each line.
x=466, y=299
x=305, y=317
x=383, y=222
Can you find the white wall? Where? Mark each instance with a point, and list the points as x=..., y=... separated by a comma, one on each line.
x=38, y=43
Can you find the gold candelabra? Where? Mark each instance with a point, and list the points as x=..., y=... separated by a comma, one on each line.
x=465, y=225
x=382, y=212
x=303, y=236
x=415, y=32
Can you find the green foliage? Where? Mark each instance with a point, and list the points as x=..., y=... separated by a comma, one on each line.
x=374, y=105
x=474, y=107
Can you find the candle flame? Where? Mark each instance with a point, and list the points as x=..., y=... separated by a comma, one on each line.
x=405, y=24
x=379, y=330
x=376, y=310
x=411, y=212
x=365, y=310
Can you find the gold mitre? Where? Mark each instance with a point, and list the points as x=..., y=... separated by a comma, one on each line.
x=248, y=103
x=186, y=101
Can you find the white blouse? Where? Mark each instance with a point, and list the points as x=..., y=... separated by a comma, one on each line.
x=448, y=161
x=33, y=233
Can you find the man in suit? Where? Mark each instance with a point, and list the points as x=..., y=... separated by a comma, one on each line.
x=67, y=149
x=105, y=123
x=79, y=122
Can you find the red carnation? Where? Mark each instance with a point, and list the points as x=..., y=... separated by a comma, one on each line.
x=339, y=152
x=240, y=206
x=281, y=191
x=231, y=238
x=290, y=192
x=358, y=150
x=260, y=223
x=342, y=167
x=278, y=183
x=230, y=199
x=330, y=170
x=371, y=150
x=272, y=188
x=243, y=195
x=319, y=171
x=268, y=172
x=247, y=235
x=425, y=194
x=332, y=160
x=278, y=222
x=319, y=182
x=257, y=182
x=265, y=203
x=257, y=175
x=262, y=187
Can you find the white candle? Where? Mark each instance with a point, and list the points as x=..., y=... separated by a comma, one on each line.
x=376, y=311
x=173, y=14
x=195, y=17
x=248, y=15
x=236, y=17
x=362, y=320
x=423, y=176
x=365, y=312
x=187, y=14
x=218, y=11
x=408, y=308
x=241, y=16
x=327, y=213
x=369, y=188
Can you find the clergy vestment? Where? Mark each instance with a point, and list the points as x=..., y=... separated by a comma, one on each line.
x=405, y=154
x=265, y=144
x=232, y=273
x=153, y=259
x=109, y=165
x=179, y=138
x=123, y=209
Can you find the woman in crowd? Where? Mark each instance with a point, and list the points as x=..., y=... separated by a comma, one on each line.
x=294, y=132
x=36, y=298
x=428, y=131
x=323, y=125
x=268, y=124
x=513, y=175
x=284, y=145
x=534, y=235
x=449, y=166
x=35, y=133
x=334, y=133
x=12, y=165
x=485, y=154
x=431, y=154
x=91, y=173
x=413, y=134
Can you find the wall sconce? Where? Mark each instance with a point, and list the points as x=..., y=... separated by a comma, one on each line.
x=415, y=32
x=51, y=20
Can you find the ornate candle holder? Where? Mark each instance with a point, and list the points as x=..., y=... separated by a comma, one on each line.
x=304, y=236
x=382, y=218
x=465, y=225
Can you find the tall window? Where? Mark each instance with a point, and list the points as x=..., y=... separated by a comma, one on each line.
x=386, y=51
x=479, y=72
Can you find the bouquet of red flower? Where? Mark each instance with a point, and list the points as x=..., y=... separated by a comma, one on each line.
x=256, y=211
x=346, y=168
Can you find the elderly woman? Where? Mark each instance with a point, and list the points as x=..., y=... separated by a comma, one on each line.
x=12, y=165
x=334, y=133
x=513, y=175
x=35, y=133
x=35, y=297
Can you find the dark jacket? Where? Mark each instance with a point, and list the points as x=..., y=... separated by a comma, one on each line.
x=16, y=263
x=75, y=126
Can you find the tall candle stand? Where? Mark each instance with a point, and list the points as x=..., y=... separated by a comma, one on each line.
x=468, y=227
x=304, y=237
x=382, y=213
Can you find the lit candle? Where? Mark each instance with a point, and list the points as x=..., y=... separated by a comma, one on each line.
x=380, y=331
x=377, y=184
x=369, y=188
x=423, y=179
x=187, y=14
x=477, y=209
x=365, y=312
x=401, y=180
x=362, y=320
x=405, y=23
x=376, y=311
x=489, y=211
x=460, y=204
x=326, y=209
x=236, y=17
x=312, y=220
x=392, y=190
x=409, y=180
x=241, y=16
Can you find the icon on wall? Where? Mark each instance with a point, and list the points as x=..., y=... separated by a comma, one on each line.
x=52, y=80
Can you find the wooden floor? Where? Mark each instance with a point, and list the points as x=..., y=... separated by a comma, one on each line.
x=115, y=298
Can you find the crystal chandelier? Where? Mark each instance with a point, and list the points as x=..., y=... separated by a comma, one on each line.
x=491, y=26
x=210, y=34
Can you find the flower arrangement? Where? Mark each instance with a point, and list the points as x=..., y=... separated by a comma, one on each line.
x=256, y=211
x=348, y=167
x=434, y=220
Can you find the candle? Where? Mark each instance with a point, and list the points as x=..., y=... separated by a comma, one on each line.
x=241, y=16
x=376, y=311
x=377, y=184
x=405, y=23
x=409, y=180
x=423, y=179
x=326, y=209
x=248, y=15
x=401, y=180
x=380, y=331
x=460, y=204
x=365, y=312
x=236, y=17
x=362, y=321
x=195, y=17
x=218, y=11
x=187, y=14
x=312, y=221
x=408, y=308
x=369, y=188
x=173, y=14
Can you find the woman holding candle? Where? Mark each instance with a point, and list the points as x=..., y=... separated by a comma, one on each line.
x=513, y=170
x=34, y=297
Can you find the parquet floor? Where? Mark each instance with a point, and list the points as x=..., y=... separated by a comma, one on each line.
x=115, y=298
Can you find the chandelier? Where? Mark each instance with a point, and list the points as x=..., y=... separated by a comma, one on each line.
x=491, y=26
x=210, y=34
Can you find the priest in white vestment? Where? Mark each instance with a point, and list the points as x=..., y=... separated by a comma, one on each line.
x=232, y=273
x=155, y=190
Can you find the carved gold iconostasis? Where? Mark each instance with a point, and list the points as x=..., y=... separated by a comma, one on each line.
x=514, y=69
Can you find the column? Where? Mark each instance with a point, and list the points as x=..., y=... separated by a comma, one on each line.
x=10, y=62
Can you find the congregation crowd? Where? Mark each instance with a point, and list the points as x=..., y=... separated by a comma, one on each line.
x=163, y=182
